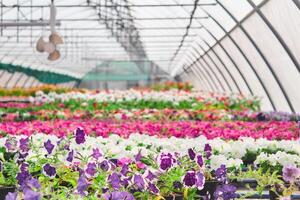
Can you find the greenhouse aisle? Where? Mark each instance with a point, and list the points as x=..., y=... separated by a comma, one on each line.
x=149, y=100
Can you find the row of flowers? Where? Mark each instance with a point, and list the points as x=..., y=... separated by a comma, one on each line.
x=7, y=114
x=137, y=98
x=80, y=166
x=181, y=129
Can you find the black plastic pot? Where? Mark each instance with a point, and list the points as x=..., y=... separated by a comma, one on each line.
x=209, y=188
x=4, y=190
x=273, y=195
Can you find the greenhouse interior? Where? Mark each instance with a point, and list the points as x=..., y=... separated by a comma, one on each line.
x=149, y=100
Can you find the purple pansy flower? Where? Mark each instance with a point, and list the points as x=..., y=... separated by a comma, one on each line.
x=70, y=156
x=290, y=173
x=82, y=185
x=79, y=136
x=114, y=180
x=166, y=161
x=191, y=153
x=199, y=160
x=116, y=195
x=11, y=196
x=49, y=170
x=91, y=169
x=96, y=153
x=225, y=192
x=49, y=146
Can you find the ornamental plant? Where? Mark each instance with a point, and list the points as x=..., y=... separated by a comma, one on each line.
x=62, y=168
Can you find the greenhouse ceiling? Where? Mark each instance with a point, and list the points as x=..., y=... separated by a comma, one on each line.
x=239, y=46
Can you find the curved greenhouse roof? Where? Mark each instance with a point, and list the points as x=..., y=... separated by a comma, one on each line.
x=240, y=46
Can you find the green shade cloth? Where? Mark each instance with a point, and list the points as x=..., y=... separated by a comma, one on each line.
x=42, y=76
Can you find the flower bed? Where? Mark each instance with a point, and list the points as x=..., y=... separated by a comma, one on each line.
x=141, y=167
x=180, y=129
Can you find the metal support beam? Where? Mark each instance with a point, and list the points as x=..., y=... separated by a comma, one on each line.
x=244, y=55
x=277, y=35
x=217, y=67
x=211, y=69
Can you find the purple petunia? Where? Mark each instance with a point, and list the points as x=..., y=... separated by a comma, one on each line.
x=22, y=177
x=11, y=196
x=139, y=182
x=82, y=185
x=104, y=165
x=24, y=144
x=200, y=160
x=70, y=156
x=138, y=156
x=31, y=195
x=114, y=180
x=96, y=153
x=91, y=169
x=207, y=150
x=33, y=183
x=49, y=146
x=152, y=188
x=11, y=144
x=290, y=173
x=79, y=136
x=124, y=169
x=191, y=153
x=150, y=176
x=116, y=195
x=221, y=173
x=200, y=180
x=194, y=179
x=189, y=179
x=225, y=192
x=49, y=170
x=166, y=161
